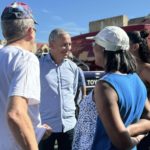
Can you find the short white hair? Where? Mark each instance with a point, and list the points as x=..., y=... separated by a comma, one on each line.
x=56, y=33
x=15, y=29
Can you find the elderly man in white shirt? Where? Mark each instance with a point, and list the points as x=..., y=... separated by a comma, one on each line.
x=20, y=124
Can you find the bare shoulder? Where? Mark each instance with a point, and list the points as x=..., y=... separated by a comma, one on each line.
x=105, y=88
x=105, y=93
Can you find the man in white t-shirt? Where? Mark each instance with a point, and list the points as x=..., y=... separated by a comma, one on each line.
x=20, y=124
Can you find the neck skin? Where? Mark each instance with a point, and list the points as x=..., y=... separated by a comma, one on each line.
x=139, y=62
x=58, y=60
x=26, y=42
x=26, y=45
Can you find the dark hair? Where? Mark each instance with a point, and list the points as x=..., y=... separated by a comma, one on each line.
x=139, y=37
x=121, y=60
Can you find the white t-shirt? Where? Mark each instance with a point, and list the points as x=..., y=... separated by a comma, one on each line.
x=1, y=46
x=19, y=75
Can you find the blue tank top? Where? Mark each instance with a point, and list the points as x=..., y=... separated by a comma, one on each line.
x=131, y=100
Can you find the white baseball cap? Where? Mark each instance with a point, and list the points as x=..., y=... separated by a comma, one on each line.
x=112, y=38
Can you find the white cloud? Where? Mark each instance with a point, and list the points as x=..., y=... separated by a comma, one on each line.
x=73, y=28
x=70, y=27
x=45, y=11
x=57, y=18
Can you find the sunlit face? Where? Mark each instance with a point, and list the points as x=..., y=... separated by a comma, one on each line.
x=62, y=46
x=99, y=55
x=31, y=34
x=34, y=43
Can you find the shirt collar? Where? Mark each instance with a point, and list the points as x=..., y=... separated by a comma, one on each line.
x=49, y=58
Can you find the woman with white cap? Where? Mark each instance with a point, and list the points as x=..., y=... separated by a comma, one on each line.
x=120, y=96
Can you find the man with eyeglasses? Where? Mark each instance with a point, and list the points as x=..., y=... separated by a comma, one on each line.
x=59, y=81
x=20, y=124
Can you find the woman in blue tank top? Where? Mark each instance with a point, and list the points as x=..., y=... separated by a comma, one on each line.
x=120, y=96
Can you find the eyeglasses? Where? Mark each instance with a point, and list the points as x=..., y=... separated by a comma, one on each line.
x=34, y=29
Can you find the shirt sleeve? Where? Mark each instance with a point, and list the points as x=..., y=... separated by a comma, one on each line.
x=25, y=81
x=76, y=76
x=81, y=78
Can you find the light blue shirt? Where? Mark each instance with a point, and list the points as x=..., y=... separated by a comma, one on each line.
x=58, y=88
x=81, y=78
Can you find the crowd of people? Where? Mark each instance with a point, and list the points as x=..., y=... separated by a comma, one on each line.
x=39, y=96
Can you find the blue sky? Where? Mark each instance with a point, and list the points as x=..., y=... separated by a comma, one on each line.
x=75, y=15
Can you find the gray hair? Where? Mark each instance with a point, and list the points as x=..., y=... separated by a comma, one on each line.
x=16, y=29
x=56, y=33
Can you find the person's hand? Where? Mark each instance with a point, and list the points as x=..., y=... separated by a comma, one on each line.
x=48, y=131
x=138, y=138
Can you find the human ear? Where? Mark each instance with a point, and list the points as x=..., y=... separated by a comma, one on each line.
x=30, y=34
